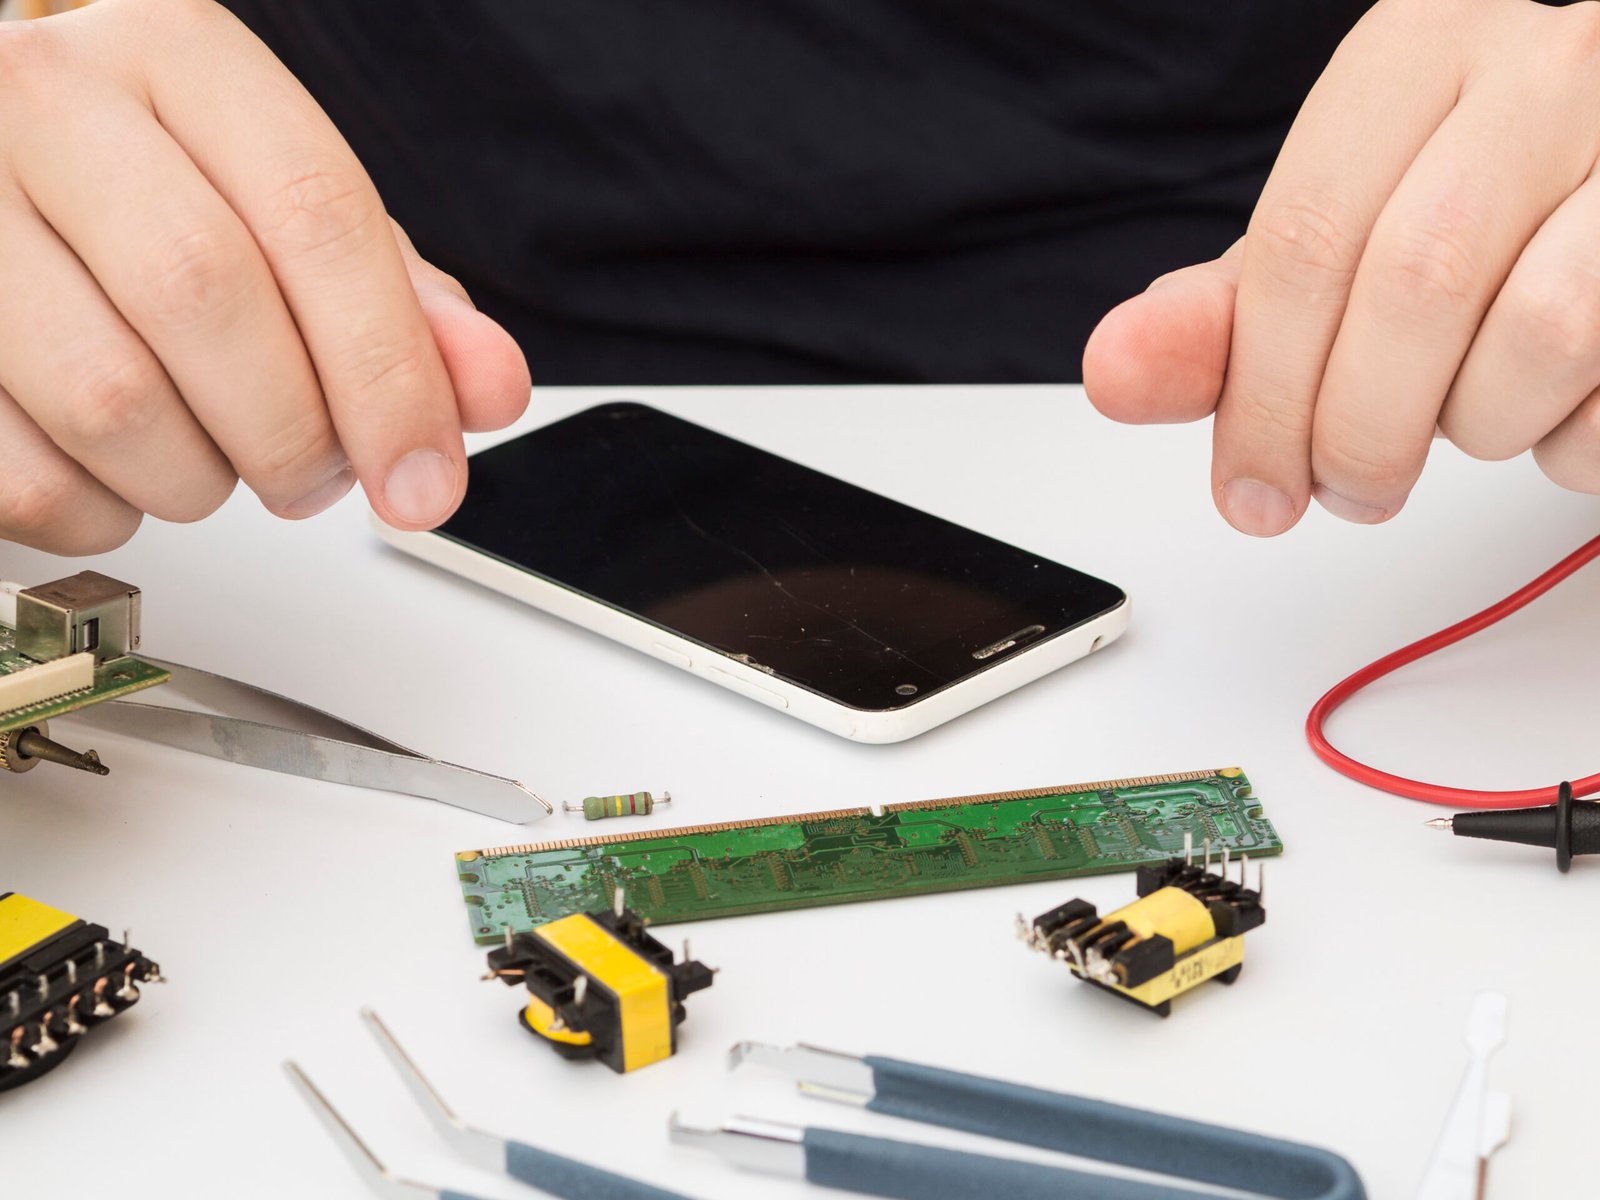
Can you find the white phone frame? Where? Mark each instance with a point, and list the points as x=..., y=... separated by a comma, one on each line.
x=1022, y=666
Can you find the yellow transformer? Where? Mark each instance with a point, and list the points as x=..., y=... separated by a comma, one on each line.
x=600, y=987
x=1188, y=926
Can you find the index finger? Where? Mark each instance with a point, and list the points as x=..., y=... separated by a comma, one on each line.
x=1361, y=126
x=321, y=226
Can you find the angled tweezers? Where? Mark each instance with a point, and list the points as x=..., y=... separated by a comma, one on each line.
x=550, y=1173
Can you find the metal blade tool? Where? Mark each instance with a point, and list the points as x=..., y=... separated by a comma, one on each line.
x=257, y=728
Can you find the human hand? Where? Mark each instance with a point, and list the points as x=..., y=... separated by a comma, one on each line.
x=199, y=283
x=1426, y=253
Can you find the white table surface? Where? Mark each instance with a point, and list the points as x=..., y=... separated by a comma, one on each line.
x=278, y=906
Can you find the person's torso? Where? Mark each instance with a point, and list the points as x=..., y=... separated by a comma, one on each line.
x=810, y=189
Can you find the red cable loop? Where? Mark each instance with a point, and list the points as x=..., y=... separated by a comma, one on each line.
x=1434, y=793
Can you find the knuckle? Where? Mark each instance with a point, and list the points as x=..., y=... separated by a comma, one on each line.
x=1570, y=458
x=1307, y=239
x=202, y=494
x=1405, y=15
x=448, y=282
x=170, y=9
x=1574, y=33
x=299, y=447
x=52, y=510
x=1359, y=463
x=1585, y=427
x=1557, y=320
x=162, y=16
x=111, y=399
x=28, y=55
x=103, y=536
x=325, y=210
x=198, y=275
x=39, y=504
x=195, y=10
x=1413, y=8
x=1429, y=270
x=378, y=363
x=1269, y=422
x=1473, y=438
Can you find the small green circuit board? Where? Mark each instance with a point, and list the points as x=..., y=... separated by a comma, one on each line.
x=778, y=863
x=113, y=678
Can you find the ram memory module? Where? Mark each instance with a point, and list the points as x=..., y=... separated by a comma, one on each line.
x=772, y=864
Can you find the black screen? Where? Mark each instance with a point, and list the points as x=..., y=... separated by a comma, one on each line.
x=832, y=587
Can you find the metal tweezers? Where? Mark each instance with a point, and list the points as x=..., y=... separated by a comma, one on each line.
x=258, y=728
x=1183, y=1150
x=550, y=1173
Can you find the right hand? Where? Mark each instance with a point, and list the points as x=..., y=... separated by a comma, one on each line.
x=199, y=284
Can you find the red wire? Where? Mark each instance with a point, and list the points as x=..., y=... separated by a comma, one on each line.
x=1431, y=792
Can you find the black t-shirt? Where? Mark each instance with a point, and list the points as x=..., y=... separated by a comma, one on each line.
x=810, y=190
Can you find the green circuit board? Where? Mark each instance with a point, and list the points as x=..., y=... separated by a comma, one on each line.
x=113, y=678
x=777, y=863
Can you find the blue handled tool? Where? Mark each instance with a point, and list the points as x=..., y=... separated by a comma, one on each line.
x=1186, y=1151
x=552, y=1174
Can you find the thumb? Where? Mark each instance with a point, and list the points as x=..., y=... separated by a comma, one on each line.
x=1161, y=356
x=487, y=368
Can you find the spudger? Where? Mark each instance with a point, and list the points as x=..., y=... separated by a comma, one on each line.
x=1187, y=1151
x=1480, y=1119
x=1569, y=826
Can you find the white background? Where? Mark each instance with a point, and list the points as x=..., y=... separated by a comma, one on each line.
x=278, y=906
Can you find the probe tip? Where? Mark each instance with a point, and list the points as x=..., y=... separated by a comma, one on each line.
x=1444, y=823
x=30, y=743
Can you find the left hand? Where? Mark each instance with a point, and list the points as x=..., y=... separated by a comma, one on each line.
x=1425, y=255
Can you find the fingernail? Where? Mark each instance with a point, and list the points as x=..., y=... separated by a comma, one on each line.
x=421, y=488
x=324, y=496
x=1348, y=510
x=1256, y=508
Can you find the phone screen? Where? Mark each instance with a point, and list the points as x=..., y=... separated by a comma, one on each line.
x=870, y=602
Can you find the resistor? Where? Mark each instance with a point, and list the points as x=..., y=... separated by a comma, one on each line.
x=633, y=804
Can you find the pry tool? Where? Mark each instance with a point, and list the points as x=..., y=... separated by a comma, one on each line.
x=1186, y=1151
x=1480, y=1120
x=550, y=1173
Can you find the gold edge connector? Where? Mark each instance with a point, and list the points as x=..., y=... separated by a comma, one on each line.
x=1064, y=790
x=834, y=814
x=647, y=834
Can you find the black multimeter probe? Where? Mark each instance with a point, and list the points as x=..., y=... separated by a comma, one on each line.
x=1569, y=826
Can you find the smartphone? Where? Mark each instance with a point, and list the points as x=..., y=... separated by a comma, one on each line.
x=861, y=615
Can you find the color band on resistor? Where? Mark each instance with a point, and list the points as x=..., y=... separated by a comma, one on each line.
x=631, y=804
